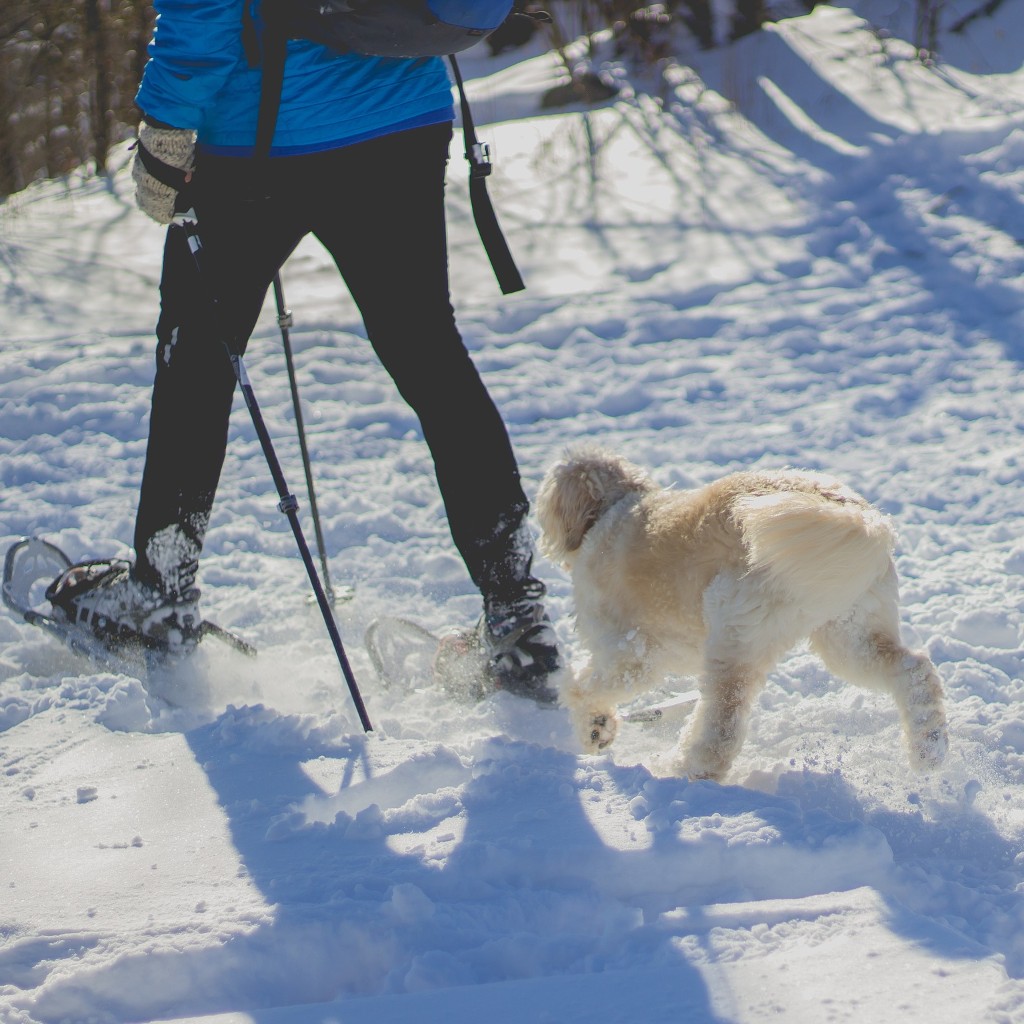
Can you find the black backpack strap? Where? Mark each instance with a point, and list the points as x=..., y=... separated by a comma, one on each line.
x=250, y=37
x=505, y=269
x=275, y=50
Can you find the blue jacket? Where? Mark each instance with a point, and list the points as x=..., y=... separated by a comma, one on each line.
x=198, y=77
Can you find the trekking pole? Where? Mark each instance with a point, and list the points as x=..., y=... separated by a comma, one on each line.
x=285, y=321
x=288, y=503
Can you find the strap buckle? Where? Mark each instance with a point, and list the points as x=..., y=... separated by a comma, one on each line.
x=480, y=159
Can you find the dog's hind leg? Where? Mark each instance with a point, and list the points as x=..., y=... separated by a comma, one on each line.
x=864, y=647
x=747, y=635
x=719, y=724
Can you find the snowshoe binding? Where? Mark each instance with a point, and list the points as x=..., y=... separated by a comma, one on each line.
x=518, y=641
x=104, y=599
x=470, y=663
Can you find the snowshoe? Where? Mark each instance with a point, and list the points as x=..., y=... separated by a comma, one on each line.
x=37, y=572
x=402, y=652
x=407, y=656
x=465, y=663
x=676, y=705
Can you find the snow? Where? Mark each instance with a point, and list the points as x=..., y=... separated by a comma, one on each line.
x=802, y=250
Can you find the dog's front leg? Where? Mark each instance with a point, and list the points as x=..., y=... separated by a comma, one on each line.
x=592, y=711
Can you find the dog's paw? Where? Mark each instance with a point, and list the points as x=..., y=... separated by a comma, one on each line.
x=698, y=766
x=929, y=745
x=597, y=730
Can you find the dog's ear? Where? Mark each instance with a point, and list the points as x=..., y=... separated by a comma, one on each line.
x=575, y=493
x=567, y=507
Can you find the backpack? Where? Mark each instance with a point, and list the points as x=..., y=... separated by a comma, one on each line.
x=393, y=28
x=388, y=28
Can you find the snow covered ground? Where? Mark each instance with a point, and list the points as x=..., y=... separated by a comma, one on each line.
x=806, y=251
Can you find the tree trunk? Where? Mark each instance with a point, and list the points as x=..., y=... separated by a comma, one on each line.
x=9, y=178
x=98, y=45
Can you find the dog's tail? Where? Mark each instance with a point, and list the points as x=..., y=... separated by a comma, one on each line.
x=815, y=547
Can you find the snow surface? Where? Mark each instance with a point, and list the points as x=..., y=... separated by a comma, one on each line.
x=806, y=250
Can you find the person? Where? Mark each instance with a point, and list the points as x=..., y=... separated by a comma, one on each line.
x=358, y=159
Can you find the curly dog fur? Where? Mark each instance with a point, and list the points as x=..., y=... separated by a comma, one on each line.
x=721, y=582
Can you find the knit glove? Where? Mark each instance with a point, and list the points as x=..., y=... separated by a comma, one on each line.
x=174, y=147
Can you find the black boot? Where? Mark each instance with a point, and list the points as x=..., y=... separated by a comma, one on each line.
x=519, y=641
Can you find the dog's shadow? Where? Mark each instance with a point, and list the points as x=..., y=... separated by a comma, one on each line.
x=947, y=855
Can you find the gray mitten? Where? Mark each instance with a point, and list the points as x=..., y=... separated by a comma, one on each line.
x=175, y=147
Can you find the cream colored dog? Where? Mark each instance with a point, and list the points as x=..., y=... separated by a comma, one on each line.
x=722, y=581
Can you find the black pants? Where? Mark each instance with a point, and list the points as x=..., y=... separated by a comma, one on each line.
x=378, y=208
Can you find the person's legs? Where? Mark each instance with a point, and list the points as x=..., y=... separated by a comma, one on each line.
x=378, y=207
x=387, y=235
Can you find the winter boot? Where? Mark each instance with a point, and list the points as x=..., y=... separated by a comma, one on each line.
x=522, y=650
x=513, y=648
x=104, y=599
